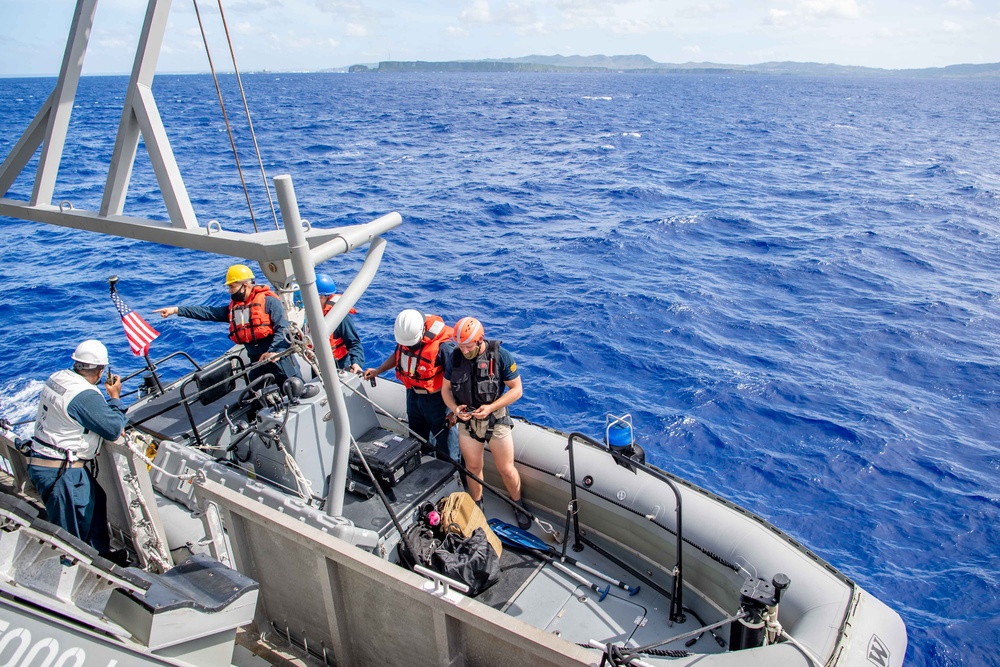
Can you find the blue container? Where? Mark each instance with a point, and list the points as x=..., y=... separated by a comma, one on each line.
x=620, y=435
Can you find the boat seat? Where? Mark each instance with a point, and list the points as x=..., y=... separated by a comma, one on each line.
x=200, y=583
x=198, y=598
x=18, y=507
x=164, y=417
x=58, y=538
x=214, y=383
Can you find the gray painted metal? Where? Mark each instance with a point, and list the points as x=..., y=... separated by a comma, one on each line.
x=30, y=637
x=362, y=610
x=304, y=262
x=140, y=116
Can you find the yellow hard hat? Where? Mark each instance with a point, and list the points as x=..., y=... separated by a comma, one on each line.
x=238, y=273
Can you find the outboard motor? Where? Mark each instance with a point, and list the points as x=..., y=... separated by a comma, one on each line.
x=759, y=600
x=618, y=437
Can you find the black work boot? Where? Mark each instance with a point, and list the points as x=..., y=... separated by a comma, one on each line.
x=479, y=504
x=523, y=517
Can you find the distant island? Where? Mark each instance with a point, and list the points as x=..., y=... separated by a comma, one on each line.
x=639, y=64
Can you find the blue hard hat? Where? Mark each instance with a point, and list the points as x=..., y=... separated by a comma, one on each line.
x=325, y=284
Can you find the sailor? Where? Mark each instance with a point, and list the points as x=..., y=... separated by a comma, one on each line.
x=480, y=384
x=346, y=344
x=72, y=419
x=422, y=356
x=256, y=320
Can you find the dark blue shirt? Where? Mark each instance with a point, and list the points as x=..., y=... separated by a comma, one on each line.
x=347, y=332
x=274, y=310
x=508, y=367
x=105, y=418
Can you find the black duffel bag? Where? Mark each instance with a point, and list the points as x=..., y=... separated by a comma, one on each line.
x=470, y=560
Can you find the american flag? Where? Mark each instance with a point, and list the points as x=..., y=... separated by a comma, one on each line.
x=137, y=330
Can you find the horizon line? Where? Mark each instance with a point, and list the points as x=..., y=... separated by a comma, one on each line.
x=658, y=65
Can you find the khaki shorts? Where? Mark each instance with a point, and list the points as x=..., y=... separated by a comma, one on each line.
x=476, y=428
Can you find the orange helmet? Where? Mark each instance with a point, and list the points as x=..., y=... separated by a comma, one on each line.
x=468, y=330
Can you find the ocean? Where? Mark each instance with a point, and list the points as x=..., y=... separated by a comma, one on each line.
x=789, y=283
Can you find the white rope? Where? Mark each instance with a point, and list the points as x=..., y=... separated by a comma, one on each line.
x=131, y=438
x=774, y=629
x=304, y=485
x=153, y=549
x=299, y=341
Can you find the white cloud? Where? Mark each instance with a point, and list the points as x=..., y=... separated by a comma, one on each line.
x=113, y=43
x=965, y=5
x=477, y=12
x=952, y=27
x=841, y=9
x=692, y=52
x=341, y=7
x=810, y=12
x=779, y=17
x=630, y=26
x=703, y=9
x=356, y=30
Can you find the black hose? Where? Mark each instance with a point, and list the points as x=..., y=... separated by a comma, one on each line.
x=410, y=554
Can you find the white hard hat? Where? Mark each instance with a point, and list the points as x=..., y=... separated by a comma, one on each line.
x=91, y=352
x=409, y=327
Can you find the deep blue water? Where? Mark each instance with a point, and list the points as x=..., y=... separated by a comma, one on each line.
x=791, y=284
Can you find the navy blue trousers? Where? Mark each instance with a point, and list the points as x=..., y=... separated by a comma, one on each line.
x=425, y=413
x=75, y=502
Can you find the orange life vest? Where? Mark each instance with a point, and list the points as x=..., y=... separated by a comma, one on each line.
x=417, y=366
x=337, y=344
x=248, y=320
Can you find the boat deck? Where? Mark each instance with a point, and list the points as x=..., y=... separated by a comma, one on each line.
x=541, y=595
x=534, y=591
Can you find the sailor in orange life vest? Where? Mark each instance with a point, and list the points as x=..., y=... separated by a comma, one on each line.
x=423, y=351
x=256, y=319
x=347, y=349
x=482, y=381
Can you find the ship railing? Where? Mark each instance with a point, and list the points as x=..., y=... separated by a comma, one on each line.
x=676, y=594
x=212, y=385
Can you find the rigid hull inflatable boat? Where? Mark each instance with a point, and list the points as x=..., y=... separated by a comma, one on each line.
x=247, y=505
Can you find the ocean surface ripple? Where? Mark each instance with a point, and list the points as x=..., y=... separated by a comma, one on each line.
x=789, y=283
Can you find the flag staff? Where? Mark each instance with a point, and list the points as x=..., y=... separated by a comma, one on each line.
x=112, y=284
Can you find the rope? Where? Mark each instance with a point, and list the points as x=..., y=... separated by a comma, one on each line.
x=304, y=486
x=131, y=438
x=774, y=629
x=225, y=116
x=301, y=344
x=246, y=108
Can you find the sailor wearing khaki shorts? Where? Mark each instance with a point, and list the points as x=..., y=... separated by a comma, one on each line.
x=480, y=385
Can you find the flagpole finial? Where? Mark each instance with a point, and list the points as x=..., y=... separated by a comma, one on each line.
x=112, y=280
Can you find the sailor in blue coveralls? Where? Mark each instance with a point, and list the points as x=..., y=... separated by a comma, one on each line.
x=72, y=419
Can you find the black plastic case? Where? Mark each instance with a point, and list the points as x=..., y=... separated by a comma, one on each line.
x=390, y=456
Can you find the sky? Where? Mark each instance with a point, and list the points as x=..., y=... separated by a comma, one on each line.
x=305, y=35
